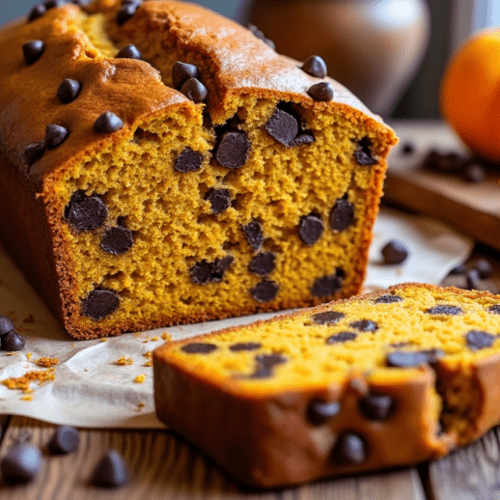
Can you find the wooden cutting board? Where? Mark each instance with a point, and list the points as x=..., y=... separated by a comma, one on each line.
x=472, y=208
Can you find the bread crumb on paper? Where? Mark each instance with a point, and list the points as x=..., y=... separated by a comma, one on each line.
x=124, y=361
x=140, y=379
x=23, y=383
x=46, y=362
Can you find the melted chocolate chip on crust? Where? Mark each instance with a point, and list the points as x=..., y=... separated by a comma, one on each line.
x=32, y=51
x=182, y=72
x=100, y=303
x=363, y=153
x=342, y=215
x=245, y=346
x=195, y=90
x=265, y=291
x=68, y=90
x=107, y=122
x=341, y=337
x=394, y=252
x=315, y=66
x=233, y=149
x=263, y=264
x=55, y=135
x=198, y=348
x=444, y=310
x=265, y=364
x=37, y=11
x=12, y=341
x=328, y=317
x=85, y=213
x=117, y=240
x=388, y=299
x=322, y=91
x=220, y=200
x=126, y=12
x=33, y=153
x=401, y=359
x=129, y=52
x=310, y=229
x=364, y=325
x=6, y=325
x=188, y=161
x=254, y=234
x=327, y=286
x=320, y=412
x=494, y=309
x=350, y=449
x=377, y=407
x=283, y=127
x=210, y=272
x=477, y=340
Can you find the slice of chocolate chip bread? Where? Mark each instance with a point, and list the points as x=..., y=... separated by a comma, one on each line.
x=386, y=379
x=160, y=164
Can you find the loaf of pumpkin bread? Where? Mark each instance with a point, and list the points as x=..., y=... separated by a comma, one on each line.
x=160, y=164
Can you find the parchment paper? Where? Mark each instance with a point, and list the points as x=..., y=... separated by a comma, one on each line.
x=91, y=390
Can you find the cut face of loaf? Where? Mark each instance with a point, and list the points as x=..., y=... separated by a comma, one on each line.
x=160, y=208
x=388, y=379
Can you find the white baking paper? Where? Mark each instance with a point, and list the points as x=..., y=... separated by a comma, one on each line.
x=91, y=390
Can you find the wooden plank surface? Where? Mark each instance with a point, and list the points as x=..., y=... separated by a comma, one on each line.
x=473, y=208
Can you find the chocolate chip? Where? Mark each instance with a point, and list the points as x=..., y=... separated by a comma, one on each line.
x=320, y=412
x=129, y=52
x=254, y=234
x=342, y=215
x=364, y=325
x=111, y=471
x=12, y=341
x=315, y=66
x=117, y=240
x=341, y=337
x=350, y=449
x=37, y=11
x=220, y=200
x=263, y=263
x=394, y=252
x=55, y=135
x=265, y=364
x=444, y=162
x=283, y=127
x=377, y=406
x=459, y=270
x=260, y=35
x=51, y=4
x=474, y=173
x=182, y=72
x=473, y=280
x=198, y=348
x=108, y=122
x=494, y=309
x=477, y=340
x=210, y=272
x=444, y=309
x=245, y=346
x=327, y=286
x=6, y=325
x=188, y=161
x=233, y=149
x=328, y=317
x=32, y=51
x=125, y=13
x=21, y=464
x=303, y=139
x=64, y=440
x=363, y=152
x=401, y=359
x=322, y=91
x=100, y=303
x=388, y=299
x=68, y=90
x=265, y=291
x=85, y=213
x=33, y=153
x=408, y=148
x=195, y=90
x=310, y=229
x=484, y=268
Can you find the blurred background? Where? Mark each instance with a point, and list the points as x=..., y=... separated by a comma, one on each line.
x=391, y=53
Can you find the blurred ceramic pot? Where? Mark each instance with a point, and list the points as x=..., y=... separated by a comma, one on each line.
x=373, y=47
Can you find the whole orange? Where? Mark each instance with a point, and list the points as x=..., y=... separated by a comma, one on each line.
x=470, y=93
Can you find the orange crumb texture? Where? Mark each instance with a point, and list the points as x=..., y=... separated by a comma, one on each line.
x=124, y=361
x=46, y=362
x=140, y=379
x=23, y=383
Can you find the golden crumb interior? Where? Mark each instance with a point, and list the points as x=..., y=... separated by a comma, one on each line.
x=173, y=224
